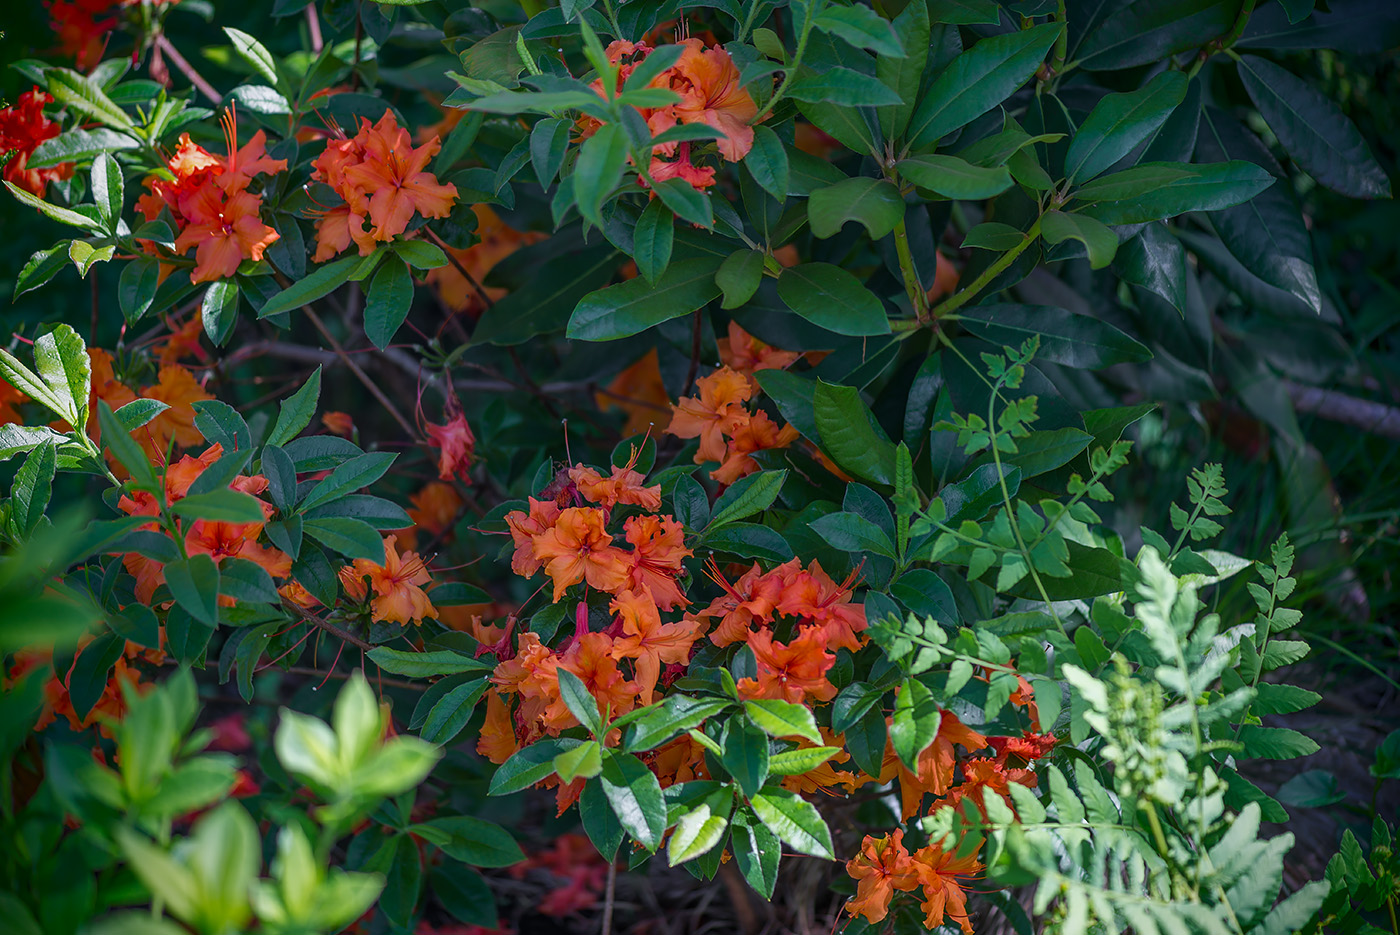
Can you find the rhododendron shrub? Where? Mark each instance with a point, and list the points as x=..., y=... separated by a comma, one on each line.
x=465, y=462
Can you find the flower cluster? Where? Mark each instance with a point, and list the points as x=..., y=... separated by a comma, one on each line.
x=209, y=201
x=22, y=128
x=729, y=431
x=382, y=181
x=707, y=82
x=394, y=590
x=884, y=867
x=110, y=707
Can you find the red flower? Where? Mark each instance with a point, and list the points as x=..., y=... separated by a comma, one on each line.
x=22, y=128
x=455, y=443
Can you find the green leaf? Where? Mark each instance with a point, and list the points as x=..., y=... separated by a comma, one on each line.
x=425, y=664
x=631, y=307
x=222, y=506
x=832, y=298
x=32, y=488
x=86, y=96
x=136, y=288
x=848, y=432
x=978, y=80
x=794, y=820
x=585, y=760
x=1209, y=187
x=598, y=171
x=353, y=538
x=528, y=765
x=964, y=12
x=675, y=715
x=85, y=255
x=1132, y=183
x=756, y=851
x=747, y=496
x=320, y=282
x=875, y=203
x=1119, y=122
x=451, y=713
x=767, y=162
x=1138, y=33
x=955, y=178
x=799, y=761
x=194, y=583
x=1065, y=338
x=78, y=145
x=915, y=722
x=387, y=303
x=1275, y=743
x=471, y=840
x=61, y=358
x=549, y=143
x=750, y=540
x=842, y=87
x=108, y=190
x=902, y=74
x=244, y=580
x=1099, y=242
x=352, y=475
x=863, y=28
x=218, y=309
x=579, y=702
x=696, y=833
x=295, y=412
x=119, y=442
x=254, y=53
x=1313, y=130
x=635, y=796
x=783, y=719
x=652, y=240
x=62, y=215
x=688, y=202
x=1156, y=261
x=851, y=532
x=545, y=302
x=745, y=755
x=739, y=277
x=42, y=266
x=419, y=254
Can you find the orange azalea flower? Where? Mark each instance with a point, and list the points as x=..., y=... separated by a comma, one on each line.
x=656, y=560
x=981, y=775
x=681, y=760
x=397, y=585
x=179, y=390
x=638, y=391
x=496, y=240
x=1026, y=748
x=383, y=180
x=795, y=672
x=296, y=593
x=338, y=423
x=941, y=874
x=577, y=548
x=624, y=485
x=435, y=507
x=713, y=414
x=755, y=433
x=593, y=659
x=10, y=399
x=497, y=741
x=104, y=386
x=936, y=763
x=648, y=641
x=813, y=595
x=183, y=341
x=945, y=278
x=752, y=599
x=524, y=529
x=224, y=235
x=882, y=867
x=455, y=443
x=708, y=83
x=745, y=353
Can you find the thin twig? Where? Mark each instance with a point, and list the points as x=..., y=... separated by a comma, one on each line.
x=451, y=258
x=336, y=631
x=1373, y=417
x=608, y=898
x=313, y=23
x=187, y=69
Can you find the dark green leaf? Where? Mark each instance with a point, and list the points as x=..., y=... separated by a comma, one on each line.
x=352, y=538
x=1208, y=188
x=1119, y=122
x=599, y=170
x=425, y=664
x=875, y=203
x=631, y=307
x=863, y=28
x=1065, y=338
x=739, y=277
x=295, y=412
x=652, y=239
x=1142, y=32
x=387, y=302
x=320, y=282
x=954, y=177
x=848, y=432
x=635, y=796
x=745, y=755
x=902, y=74
x=194, y=583
x=842, y=87
x=832, y=298
x=767, y=162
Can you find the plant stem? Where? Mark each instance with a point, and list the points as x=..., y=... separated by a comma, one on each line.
x=791, y=69
x=168, y=49
x=1241, y=21
x=359, y=373
x=918, y=299
x=608, y=898
x=963, y=296
x=451, y=258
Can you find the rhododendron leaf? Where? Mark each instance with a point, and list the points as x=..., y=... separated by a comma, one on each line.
x=45, y=264
x=246, y=581
x=88, y=679
x=255, y=54
x=688, y=202
x=580, y=703
x=739, y=277
x=464, y=894
x=841, y=87
x=529, y=765
x=875, y=203
x=1134, y=35
x=747, y=496
x=662, y=722
x=652, y=238
x=863, y=28
x=585, y=760
x=964, y=12
x=78, y=145
x=1100, y=243
x=544, y=302
x=954, y=177
x=1207, y=187
x=750, y=540
x=832, y=298
x=635, y=796
x=194, y=583
x=62, y=215
x=803, y=759
x=1079, y=341
x=419, y=254
x=978, y=80
x=32, y=487
x=1119, y=122
x=108, y=190
x=425, y=664
x=599, y=821
x=767, y=162
x=218, y=309
x=347, y=477
x=851, y=532
x=915, y=722
x=450, y=715
x=631, y=307
x=745, y=755
x=221, y=424
x=222, y=506
x=387, y=303
x=848, y=432
x=795, y=820
x=378, y=512
x=756, y=851
x=471, y=840
x=84, y=95
x=696, y=832
x=352, y=538
x=783, y=718
x=598, y=170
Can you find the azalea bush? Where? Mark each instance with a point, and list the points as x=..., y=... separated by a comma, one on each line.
x=465, y=463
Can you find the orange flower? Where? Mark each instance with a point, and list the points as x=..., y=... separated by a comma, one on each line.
x=648, y=641
x=577, y=548
x=982, y=774
x=936, y=764
x=524, y=528
x=755, y=433
x=681, y=760
x=882, y=867
x=593, y=659
x=708, y=83
x=745, y=353
x=382, y=179
x=813, y=595
x=656, y=560
x=104, y=386
x=940, y=874
x=795, y=672
x=455, y=443
x=397, y=585
x=496, y=240
x=713, y=414
x=624, y=485
x=338, y=423
x=497, y=741
x=178, y=389
x=435, y=507
x=1026, y=748
x=945, y=278
x=10, y=399
x=751, y=599
x=826, y=775
x=182, y=342
x=224, y=235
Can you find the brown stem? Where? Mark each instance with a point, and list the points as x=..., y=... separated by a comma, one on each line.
x=187, y=69
x=335, y=631
x=471, y=280
x=608, y=898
